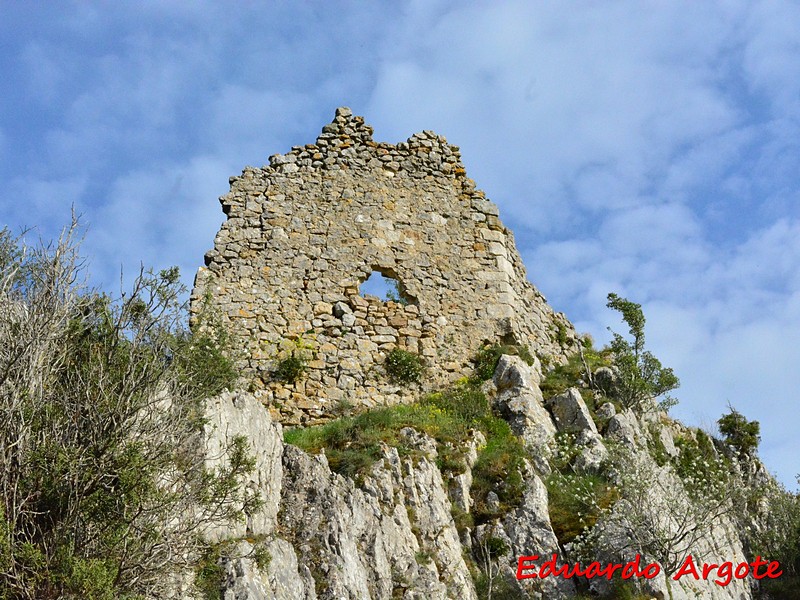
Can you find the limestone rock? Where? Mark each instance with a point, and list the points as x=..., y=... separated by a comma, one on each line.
x=606, y=410
x=665, y=437
x=234, y=414
x=624, y=428
x=519, y=400
x=364, y=544
x=593, y=452
x=570, y=412
x=529, y=531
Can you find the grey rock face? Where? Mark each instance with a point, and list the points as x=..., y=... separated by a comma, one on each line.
x=593, y=452
x=395, y=533
x=570, y=412
x=529, y=532
x=659, y=506
x=665, y=436
x=234, y=414
x=519, y=400
x=606, y=410
x=394, y=536
x=325, y=538
x=624, y=428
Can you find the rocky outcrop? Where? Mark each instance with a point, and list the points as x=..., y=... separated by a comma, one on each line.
x=324, y=537
x=517, y=398
x=319, y=535
x=570, y=412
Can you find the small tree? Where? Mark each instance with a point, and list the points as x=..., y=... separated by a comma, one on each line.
x=640, y=374
x=741, y=434
x=489, y=551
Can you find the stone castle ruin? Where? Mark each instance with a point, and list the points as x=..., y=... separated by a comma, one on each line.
x=304, y=233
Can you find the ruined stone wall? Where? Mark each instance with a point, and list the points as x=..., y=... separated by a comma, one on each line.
x=304, y=232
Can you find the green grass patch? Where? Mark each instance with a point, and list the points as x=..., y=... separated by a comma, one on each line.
x=498, y=470
x=573, y=373
x=353, y=444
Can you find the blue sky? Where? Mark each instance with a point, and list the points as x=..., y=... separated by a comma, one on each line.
x=651, y=149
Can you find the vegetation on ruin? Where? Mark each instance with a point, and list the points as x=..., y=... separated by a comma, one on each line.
x=293, y=357
x=403, y=366
x=485, y=361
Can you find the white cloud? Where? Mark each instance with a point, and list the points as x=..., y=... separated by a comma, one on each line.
x=653, y=152
x=620, y=145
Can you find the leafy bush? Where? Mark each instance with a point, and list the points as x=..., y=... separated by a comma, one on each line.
x=487, y=358
x=404, y=366
x=291, y=368
x=741, y=434
x=101, y=401
x=293, y=359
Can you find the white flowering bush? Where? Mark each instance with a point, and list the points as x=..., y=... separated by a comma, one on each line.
x=576, y=500
x=659, y=514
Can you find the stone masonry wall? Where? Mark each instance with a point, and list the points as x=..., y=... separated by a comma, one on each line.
x=304, y=232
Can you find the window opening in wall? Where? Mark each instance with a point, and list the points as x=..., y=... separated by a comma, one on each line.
x=385, y=288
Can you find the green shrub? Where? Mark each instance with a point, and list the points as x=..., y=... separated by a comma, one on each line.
x=209, y=572
x=561, y=334
x=741, y=434
x=101, y=401
x=488, y=356
x=698, y=461
x=464, y=401
x=353, y=444
x=291, y=368
x=293, y=359
x=204, y=356
x=404, y=366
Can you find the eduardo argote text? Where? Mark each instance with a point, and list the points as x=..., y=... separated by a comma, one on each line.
x=721, y=574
